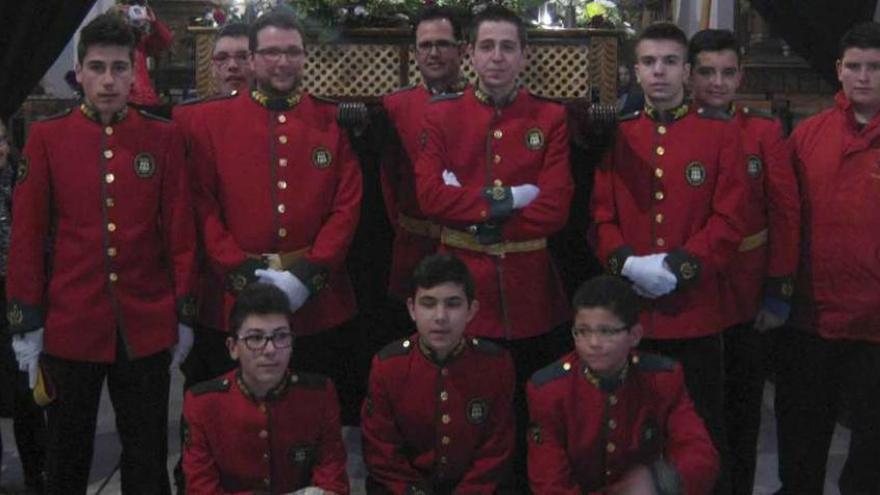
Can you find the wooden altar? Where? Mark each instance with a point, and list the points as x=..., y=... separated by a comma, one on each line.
x=365, y=63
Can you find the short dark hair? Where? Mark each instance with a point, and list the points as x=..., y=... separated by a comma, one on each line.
x=712, y=40
x=865, y=35
x=233, y=30
x=109, y=29
x=440, y=269
x=659, y=31
x=437, y=13
x=498, y=13
x=279, y=17
x=611, y=293
x=257, y=299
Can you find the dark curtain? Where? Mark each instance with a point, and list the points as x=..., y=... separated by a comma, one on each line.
x=813, y=28
x=32, y=35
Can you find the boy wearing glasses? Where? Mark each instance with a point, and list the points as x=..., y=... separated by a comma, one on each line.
x=609, y=420
x=262, y=427
x=438, y=418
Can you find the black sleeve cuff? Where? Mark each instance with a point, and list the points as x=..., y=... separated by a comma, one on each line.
x=500, y=202
x=243, y=274
x=614, y=264
x=685, y=266
x=313, y=275
x=418, y=489
x=666, y=478
x=23, y=318
x=781, y=288
x=488, y=232
x=187, y=311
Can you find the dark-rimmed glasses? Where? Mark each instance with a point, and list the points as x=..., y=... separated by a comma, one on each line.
x=258, y=341
x=441, y=46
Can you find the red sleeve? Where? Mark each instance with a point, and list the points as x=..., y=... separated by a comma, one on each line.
x=449, y=204
x=329, y=472
x=607, y=236
x=784, y=207
x=178, y=223
x=158, y=40
x=492, y=457
x=689, y=448
x=548, y=464
x=199, y=468
x=382, y=440
x=31, y=220
x=717, y=242
x=548, y=213
x=331, y=244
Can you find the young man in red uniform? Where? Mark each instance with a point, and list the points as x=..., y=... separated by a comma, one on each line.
x=832, y=348
x=104, y=188
x=761, y=276
x=499, y=183
x=438, y=418
x=668, y=205
x=263, y=428
x=278, y=198
x=612, y=421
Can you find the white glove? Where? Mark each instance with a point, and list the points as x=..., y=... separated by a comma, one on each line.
x=650, y=274
x=768, y=320
x=28, y=347
x=450, y=179
x=184, y=344
x=523, y=195
x=309, y=490
x=296, y=291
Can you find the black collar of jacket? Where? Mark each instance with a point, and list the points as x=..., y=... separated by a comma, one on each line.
x=275, y=393
x=277, y=103
x=486, y=99
x=91, y=113
x=666, y=116
x=432, y=356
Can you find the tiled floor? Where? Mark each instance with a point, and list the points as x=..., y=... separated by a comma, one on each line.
x=107, y=452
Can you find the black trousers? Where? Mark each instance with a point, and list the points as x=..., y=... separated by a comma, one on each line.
x=334, y=353
x=702, y=360
x=139, y=394
x=28, y=420
x=813, y=375
x=530, y=355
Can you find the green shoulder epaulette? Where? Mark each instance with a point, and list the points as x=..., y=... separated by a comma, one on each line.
x=153, y=116
x=308, y=380
x=219, y=384
x=400, y=347
x=325, y=100
x=552, y=372
x=646, y=361
x=192, y=101
x=716, y=114
x=486, y=346
x=63, y=113
x=755, y=112
x=629, y=116
x=445, y=96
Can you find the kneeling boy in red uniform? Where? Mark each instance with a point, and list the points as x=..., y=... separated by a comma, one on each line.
x=607, y=419
x=261, y=427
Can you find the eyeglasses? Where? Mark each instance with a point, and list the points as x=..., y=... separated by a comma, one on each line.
x=258, y=341
x=223, y=58
x=605, y=333
x=441, y=45
x=274, y=54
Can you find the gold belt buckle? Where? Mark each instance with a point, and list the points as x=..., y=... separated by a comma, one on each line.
x=273, y=260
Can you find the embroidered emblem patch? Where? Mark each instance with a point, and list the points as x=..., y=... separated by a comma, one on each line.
x=688, y=270
x=477, y=411
x=15, y=315
x=321, y=157
x=754, y=166
x=22, y=172
x=695, y=174
x=534, y=139
x=144, y=165
x=301, y=454
x=535, y=434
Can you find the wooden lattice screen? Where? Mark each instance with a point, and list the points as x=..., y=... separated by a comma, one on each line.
x=367, y=63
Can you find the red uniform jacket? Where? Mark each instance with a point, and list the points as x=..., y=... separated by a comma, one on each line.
x=440, y=428
x=278, y=177
x=587, y=433
x=413, y=240
x=209, y=291
x=492, y=149
x=111, y=206
x=762, y=273
x=237, y=444
x=837, y=293
x=674, y=182
x=150, y=45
